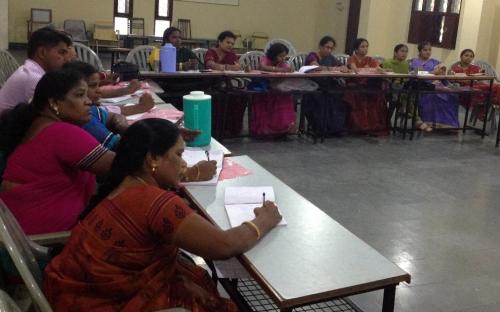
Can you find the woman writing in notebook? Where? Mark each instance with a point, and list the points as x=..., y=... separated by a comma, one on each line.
x=127, y=247
x=324, y=57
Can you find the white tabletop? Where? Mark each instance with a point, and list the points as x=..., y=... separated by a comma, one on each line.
x=313, y=257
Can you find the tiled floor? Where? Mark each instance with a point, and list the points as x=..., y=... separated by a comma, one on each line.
x=430, y=206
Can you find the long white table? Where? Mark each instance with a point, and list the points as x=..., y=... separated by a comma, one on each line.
x=313, y=258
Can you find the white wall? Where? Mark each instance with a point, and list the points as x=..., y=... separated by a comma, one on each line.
x=331, y=20
x=4, y=24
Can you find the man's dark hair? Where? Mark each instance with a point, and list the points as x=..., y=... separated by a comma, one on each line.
x=46, y=37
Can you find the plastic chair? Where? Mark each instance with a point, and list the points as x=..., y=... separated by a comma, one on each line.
x=251, y=59
x=8, y=66
x=342, y=58
x=291, y=49
x=489, y=70
x=77, y=30
x=87, y=55
x=7, y=304
x=297, y=61
x=380, y=59
x=139, y=55
x=200, y=54
x=22, y=252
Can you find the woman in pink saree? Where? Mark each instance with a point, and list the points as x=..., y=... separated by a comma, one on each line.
x=273, y=115
x=51, y=161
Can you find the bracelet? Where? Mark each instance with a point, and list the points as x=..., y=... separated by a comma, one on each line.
x=255, y=227
x=198, y=173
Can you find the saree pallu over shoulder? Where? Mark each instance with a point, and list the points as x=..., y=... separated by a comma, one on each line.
x=121, y=258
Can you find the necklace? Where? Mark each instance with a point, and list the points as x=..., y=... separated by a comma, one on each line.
x=140, y=180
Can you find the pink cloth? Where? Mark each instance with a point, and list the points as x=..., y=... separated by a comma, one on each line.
x=272, y=115
x=170, y=114
x=232, y=170
x=20, y=86
x=123, y=84
x=53, y=186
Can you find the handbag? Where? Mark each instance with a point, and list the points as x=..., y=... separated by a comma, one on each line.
x=126, y=71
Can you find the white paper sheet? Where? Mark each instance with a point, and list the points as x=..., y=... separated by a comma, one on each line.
x=192, y=157
x=242, y=200
x=248, y=194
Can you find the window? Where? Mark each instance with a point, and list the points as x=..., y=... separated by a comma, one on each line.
x=163, y=16
x=123, y=13
x=435, y=21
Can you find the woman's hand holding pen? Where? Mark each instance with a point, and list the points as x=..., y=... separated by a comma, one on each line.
x=207, y=169
x=267, y=216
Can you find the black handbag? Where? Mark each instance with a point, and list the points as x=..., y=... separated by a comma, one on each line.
x=126, y=71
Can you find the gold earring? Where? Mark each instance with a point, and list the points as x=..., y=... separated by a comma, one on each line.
x=56, y=110
x=153, y=168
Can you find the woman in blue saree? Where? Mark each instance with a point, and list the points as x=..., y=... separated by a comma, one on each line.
x=441, y=109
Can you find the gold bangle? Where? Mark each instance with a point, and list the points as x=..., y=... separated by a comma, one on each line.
x=198, y=173
x=255, y=227
x=274, y=68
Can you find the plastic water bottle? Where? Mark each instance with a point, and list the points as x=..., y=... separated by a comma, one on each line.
x=198, y=116
x=168, y=58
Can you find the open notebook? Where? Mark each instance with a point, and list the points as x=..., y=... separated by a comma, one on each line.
x=240, y=201
x=192, y=157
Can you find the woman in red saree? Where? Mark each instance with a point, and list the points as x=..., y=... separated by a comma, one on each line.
x=465, y=66
x=367, y=113
x=222, y=57
x=124, y=255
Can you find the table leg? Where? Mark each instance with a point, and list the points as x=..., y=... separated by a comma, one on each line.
x=389, y=298
x=112, y=58
x=467, y=108
x=231, y=287
x=414, y=117
x=487, y=110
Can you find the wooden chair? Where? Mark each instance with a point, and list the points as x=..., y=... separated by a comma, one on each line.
x=136, y=26
x=291, y=49
x=77, y=30
x=259, y=40
x=8, y=65
x=139, y=55
x=105, y=35
x=185, y=26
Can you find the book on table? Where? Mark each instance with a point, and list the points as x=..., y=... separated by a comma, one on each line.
x=240, y=201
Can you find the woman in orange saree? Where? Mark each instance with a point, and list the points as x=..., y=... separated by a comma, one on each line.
x=124, y=255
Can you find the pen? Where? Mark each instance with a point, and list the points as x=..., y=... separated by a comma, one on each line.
x=263, y=198
x=208, y=155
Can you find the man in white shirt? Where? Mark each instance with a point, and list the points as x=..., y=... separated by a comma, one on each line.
x=47, y=50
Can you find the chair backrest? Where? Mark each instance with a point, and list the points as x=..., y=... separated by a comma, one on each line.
x=380, y=59
x=8, y=65
x=200, y=54
x=136, y=26
x=20, y=249
x=139, y=55
x=77, y=30
x=259, y=40
x=105, y=31
x=342, y=58
x=488, y=69
x=87, y=55
x=7, y=304
x=291, y=49
x=185, y=26
x=252, y=59
x=297, y=61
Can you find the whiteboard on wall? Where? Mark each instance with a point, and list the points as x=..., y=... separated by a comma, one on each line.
x=225, y=2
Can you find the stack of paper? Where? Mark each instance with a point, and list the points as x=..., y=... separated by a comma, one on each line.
x=309, y=68
x=242, y=200
x=192, y=157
